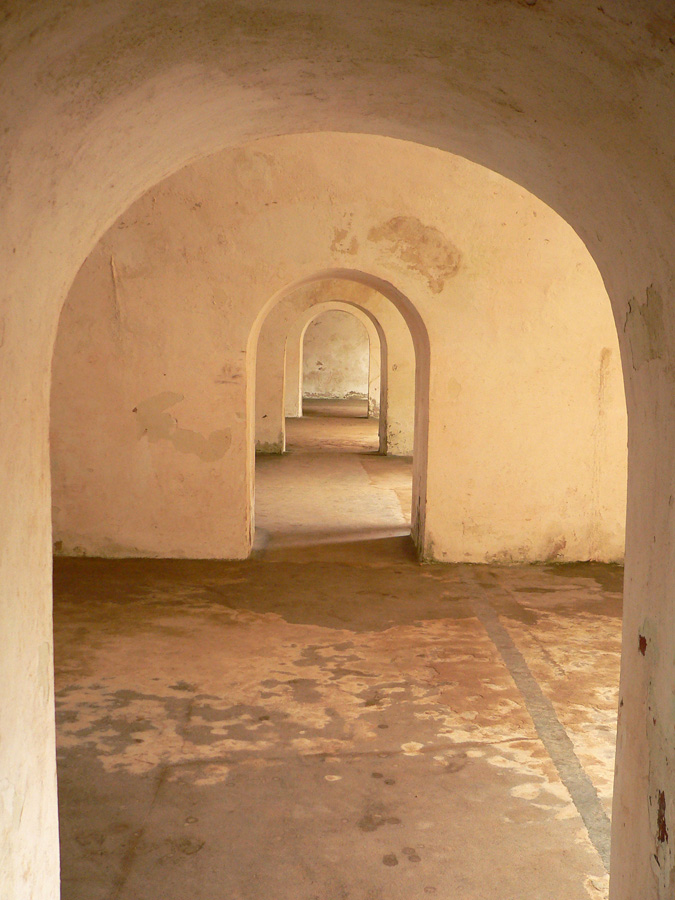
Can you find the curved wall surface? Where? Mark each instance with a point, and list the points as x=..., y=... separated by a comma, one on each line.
x=526, y=434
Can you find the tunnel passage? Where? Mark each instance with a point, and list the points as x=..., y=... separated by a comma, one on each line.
x=103, y=102
x=151, y=382
x=337, y=361
x=352, y=492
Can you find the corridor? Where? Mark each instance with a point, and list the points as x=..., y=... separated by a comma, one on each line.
x=331, y=485
x=329, y=719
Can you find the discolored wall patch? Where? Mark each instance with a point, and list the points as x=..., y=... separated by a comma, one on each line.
x=644, y=327
x=157, y=424
x=422, y=248
x=344, y=243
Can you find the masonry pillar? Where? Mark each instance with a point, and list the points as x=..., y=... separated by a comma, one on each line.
x=643, y=819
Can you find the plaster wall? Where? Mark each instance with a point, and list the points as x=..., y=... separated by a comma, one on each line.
x=292, y=386
x=526, y=452
x=149, y=388
x=336, y=357
x=526, y=456
x=375, y=375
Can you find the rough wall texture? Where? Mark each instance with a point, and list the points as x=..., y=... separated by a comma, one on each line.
x=155, y=413
x=336, y=357
x=526, y=454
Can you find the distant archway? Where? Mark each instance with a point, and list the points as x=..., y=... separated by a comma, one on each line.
x=336, y=359
x=353, y=284
x=279, y=383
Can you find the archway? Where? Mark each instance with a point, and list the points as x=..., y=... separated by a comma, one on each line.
x=360, y=291
x=203, y=335
x=515, y=125
x=376, y=387
x=279, y=383
x=355, y=506
x=279, y=397
x=345, y=374
x=190, y=331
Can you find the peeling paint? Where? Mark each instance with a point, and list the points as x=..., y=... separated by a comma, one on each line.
x=152, y=419
x=649, y=633
x=662, y=832
x=269, y=447
x=423, y=248
x=156, y=424
x=644, y=327
x=341, y=244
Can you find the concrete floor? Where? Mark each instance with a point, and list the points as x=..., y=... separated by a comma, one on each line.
x=330, y=720
x=331, y=485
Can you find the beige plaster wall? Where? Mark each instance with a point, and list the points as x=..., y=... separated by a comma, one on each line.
x=149, y=437
x=375, y=374
x=526, y=452
x=336, y=357
x=292, y=386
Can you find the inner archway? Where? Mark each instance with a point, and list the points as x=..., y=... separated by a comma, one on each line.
x=207, y=350
x=388, y=362
x=336, y=370
x=362, y=398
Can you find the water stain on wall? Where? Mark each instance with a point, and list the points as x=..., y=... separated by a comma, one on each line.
x=342, y=243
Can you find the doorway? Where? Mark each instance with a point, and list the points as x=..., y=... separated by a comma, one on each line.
x=335, y=482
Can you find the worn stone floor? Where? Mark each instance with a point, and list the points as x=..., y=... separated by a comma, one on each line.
x=331, y=485
x=330, y=720
x=326, y=408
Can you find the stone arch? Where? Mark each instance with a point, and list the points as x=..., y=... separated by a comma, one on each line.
x=294, y=351
x=164, y=271
x=397, y=382
x=88, y=132
x=270, y=422
x=420, y=341
x=396, y=412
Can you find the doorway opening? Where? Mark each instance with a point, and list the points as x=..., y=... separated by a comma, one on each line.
x=338, y=463
x=339, y=377
x=337, y=367
x=253, y=723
